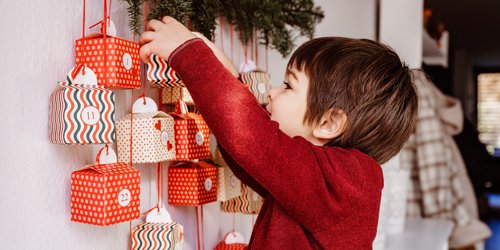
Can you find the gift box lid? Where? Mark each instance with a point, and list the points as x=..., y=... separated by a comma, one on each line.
x=148, y=115
x=108, y=169
x=201, y=165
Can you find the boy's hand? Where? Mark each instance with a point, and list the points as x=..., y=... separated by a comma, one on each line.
x=163, y=37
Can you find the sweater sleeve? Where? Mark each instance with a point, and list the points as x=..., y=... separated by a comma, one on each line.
x=285, y=167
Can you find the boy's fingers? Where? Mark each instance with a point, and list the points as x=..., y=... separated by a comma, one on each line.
x=145, y=52
x=167, y=19
x=146, y=37
x=154, y=25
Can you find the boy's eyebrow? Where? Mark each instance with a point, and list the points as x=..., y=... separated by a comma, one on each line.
x=289, y=72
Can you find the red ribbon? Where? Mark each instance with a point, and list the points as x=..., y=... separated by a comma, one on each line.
x=98, y=156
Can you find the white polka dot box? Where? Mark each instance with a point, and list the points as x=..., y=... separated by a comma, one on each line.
x=229, y=186
x=192, y=183
x=161, y=75
x=147, y=235
x=249, y=202
x=191, y=135
x=80, y=112
x=259, y=83
x=105, y=194
x=153, y=137
x=115, y=61
x=172, y=95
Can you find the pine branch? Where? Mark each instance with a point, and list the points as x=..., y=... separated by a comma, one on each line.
x=134, y=11
x=178, y=9
x=205, y=12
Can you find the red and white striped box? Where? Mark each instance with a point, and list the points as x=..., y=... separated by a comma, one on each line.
x=115, y=61
x=192, y=184
x=161, y=75
x=192, y=139
x=105, y=194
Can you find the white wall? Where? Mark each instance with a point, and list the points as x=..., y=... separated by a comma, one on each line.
x=37, y=45
x=401, y=28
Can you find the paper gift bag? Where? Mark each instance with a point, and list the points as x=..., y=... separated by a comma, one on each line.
x=80, y=111
x=115, y=61
x=105, y=194
x=249, y=202
x=232, y=241
x=259, y=83
x=172, y=95
x=191, y=135
x=229, y=185
x=161, y=75
x=192, y=184
x=152, y=134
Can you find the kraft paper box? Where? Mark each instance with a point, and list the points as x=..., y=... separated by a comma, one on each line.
x=156, y=236
x=192, y=184
x=81, y=114
x=191, y=136
x=172, y=95
x=115, y=61
x=259, y=83
x=249, y=202
x=229, y=185
x=105, y=194
x=153, y=137
x=161, y=75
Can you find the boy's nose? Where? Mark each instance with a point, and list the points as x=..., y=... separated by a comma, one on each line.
x=271, y=93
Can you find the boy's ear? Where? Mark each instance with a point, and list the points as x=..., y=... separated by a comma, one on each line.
x=332, y=124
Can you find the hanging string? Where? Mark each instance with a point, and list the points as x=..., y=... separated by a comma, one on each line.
x=256, y=50
x=131, y=124
x=197, y=228
x=202, y=228
x=234, y=222
x=143, y=71
x=160, y=191
x=84, y=13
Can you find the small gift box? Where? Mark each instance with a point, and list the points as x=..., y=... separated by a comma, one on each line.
x=172, y=95
x=161, y=75
x=80, y=111
x=249, y=202
x=191, y=135
x=152, y=134
x=259, y=83
x=115, y=61
x=105, y=193
x=229, y=185
x=192, y=184
x=232, y=241
x=158, y=232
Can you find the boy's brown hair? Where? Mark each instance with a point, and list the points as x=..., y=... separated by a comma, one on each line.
x=369, y=83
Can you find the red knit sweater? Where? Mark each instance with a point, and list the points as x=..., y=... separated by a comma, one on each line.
x=315, y=197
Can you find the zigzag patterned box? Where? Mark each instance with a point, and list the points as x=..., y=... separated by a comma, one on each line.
x=81, y=114
x=156, y=236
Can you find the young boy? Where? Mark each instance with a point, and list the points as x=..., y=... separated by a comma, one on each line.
x=345, y=107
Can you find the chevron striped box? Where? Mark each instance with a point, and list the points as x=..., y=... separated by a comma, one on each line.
x=259, y=83
x=115, y=61
x=81, y=114
x=157, y=236
x=161, y=75
x=249, y=202
x=192, y=184
x=105, y=194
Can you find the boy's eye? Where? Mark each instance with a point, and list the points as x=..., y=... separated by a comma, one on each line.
x=287, y=85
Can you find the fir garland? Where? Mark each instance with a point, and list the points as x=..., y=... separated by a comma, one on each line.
x=275, y=22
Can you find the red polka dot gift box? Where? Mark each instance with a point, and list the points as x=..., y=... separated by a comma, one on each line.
x=105, y=194
x=229, y=186
x=192, y=140
x=259, y=83
x=80, y=111
x=161, y=75
x=232, y=241
x=192, y=183
x=172, y=95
